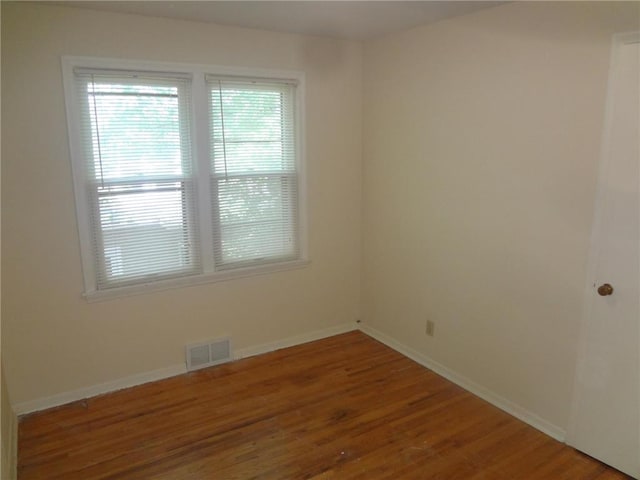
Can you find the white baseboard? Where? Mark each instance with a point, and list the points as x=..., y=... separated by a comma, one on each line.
x=152, y=376
x=86, y=392
x=292, y=341
x=502, y=403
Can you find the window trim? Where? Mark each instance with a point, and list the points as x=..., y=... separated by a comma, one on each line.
x=200, y=149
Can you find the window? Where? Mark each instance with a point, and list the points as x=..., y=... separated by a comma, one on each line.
x=253, y=165
x=183, y=175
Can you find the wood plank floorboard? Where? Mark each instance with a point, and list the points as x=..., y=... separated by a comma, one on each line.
x=345, y=407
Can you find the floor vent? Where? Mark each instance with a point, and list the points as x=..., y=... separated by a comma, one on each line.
x=207, y=354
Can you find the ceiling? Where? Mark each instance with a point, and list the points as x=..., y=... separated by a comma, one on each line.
x=358, y=20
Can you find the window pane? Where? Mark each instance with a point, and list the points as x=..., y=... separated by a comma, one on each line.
x=143, y=231
x=253, y=158
x=257, y=218
x=251, y=130
x=135, y=130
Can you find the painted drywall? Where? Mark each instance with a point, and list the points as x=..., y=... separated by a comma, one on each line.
x=481, y=146
x=481, y=141
x=8, y=421
x=53, y=340
x=8, y=434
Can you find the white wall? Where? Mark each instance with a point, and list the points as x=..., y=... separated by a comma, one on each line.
x=54, y=341
x=481, y=147
x=8, y=420
x=481, y=141
x=8, y=433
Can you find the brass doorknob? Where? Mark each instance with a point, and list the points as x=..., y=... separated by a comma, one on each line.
x=605, y=289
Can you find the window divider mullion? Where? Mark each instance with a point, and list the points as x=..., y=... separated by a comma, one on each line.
x=202, y=165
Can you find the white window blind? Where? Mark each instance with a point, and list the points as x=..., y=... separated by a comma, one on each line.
x=254, y=180
x=135, y=130
x=182, y=176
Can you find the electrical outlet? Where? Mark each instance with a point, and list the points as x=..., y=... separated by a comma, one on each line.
x=431, y=326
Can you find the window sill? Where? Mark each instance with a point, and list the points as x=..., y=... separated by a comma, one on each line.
x=112, y=293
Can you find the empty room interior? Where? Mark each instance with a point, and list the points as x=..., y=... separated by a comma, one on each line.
x=286, y=240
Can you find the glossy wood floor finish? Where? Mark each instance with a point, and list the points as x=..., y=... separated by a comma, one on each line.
x=345, y=407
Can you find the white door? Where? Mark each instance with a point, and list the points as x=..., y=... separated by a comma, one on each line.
x=605, y=416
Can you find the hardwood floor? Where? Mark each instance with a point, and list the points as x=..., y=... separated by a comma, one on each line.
x=346, y=407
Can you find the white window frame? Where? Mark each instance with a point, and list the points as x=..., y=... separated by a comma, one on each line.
x=200, y=148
